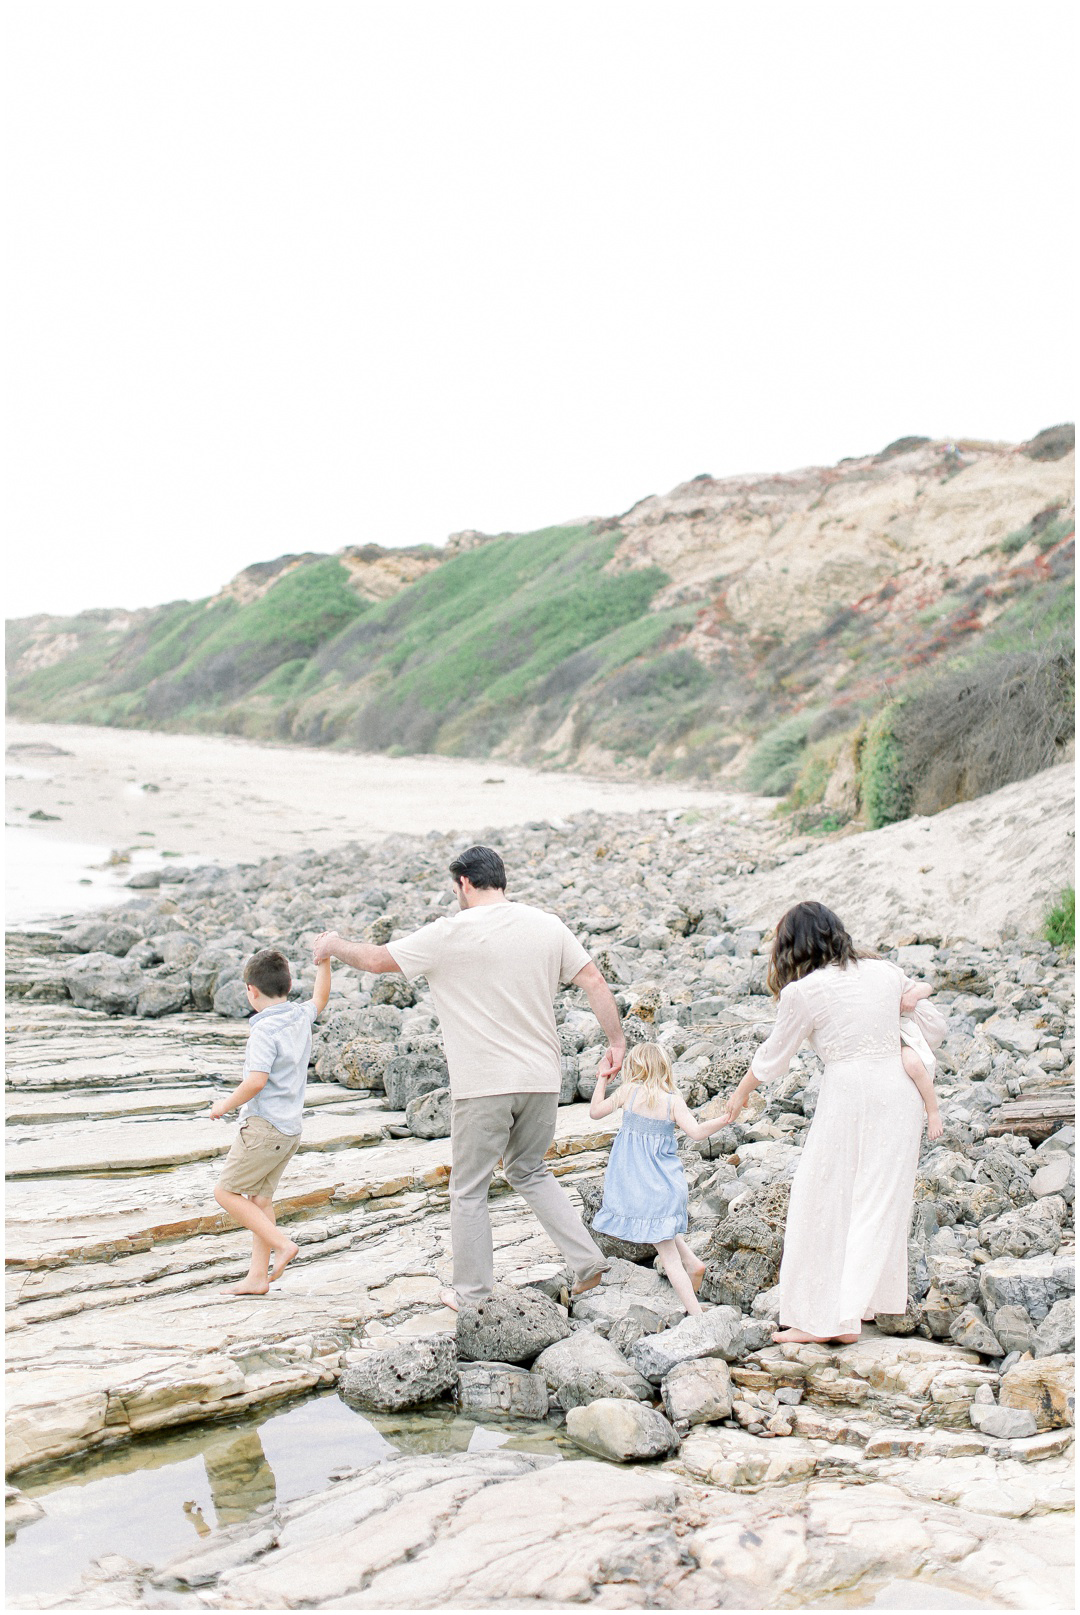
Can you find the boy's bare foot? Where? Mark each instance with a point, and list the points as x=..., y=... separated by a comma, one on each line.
x=248, y=1287
x=282, y=1258
x=799, y=1337
x=449, y=1299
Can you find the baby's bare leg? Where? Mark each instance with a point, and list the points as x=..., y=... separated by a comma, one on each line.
x=678, y=1278
x=924, y=1083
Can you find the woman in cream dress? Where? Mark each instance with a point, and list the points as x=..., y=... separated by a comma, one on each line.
x=845, y=1243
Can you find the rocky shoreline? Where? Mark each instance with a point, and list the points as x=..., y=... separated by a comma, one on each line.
x=936, y=1449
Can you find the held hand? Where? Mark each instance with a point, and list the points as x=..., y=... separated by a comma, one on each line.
x=218, y=1109
x=324, y=946
x=612, y=1062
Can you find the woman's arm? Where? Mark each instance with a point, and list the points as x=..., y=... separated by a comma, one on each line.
x=913, y=995
x=683, y=1117
x=738, y=1099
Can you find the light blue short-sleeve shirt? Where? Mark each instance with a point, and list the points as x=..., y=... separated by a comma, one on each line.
x=280, y=1045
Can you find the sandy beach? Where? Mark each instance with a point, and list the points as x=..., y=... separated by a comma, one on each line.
x=208, y=797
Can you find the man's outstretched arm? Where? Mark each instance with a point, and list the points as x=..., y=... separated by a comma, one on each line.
x=606, y=1010
x=361, y=955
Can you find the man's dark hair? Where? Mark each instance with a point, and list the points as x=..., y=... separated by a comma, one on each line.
x=269, y=972
x=480, y=865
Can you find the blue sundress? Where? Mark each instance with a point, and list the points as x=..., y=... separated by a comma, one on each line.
x=645, y=1196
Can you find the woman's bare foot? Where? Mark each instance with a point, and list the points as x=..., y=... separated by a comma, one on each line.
x=696, y=1275
x=798, y=1337
x=449, y=1299
x=282, y=1258
x=248, y=1287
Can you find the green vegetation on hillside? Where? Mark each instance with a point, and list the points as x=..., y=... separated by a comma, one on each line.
x=1059, y=927
x=537, y=646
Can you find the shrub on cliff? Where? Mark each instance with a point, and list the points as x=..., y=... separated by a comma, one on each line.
x=777, y=758
x=966, y=733
x=884, y=780
x=1059, y=927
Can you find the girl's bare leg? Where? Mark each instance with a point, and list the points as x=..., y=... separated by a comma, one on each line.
x=692, y=1263
x=678, y=1278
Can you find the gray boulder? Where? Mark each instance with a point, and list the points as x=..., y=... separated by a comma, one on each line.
x=164, y=994
x=1033, y=1283
x=104, y=982
x=408, y=1076
x=1057, y=1175
x=409, y=1372
x=231, y=1001
x=592, y=1194
x=500, y=1389
x=743, y=1253
x=101, y=936
x=1008, y=1424
x=511, y=1326
x=361, y=1063
x=971, y=1330
x=1014, y=1329
x=392, y=988
x=698, y=1391
x=716, y=1333
x=178, y=950
x=626, y=1432
x=584, y=1367
x=214, y=966
x=429, y=1115
x=1057, y=1332
x=145, y=880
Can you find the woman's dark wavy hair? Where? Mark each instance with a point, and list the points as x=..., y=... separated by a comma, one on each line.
x=808, y=937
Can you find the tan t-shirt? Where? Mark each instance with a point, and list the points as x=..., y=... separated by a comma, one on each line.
x=494, y=971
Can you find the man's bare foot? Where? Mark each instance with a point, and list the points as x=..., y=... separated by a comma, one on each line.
x=449, y=1299
x=248, y=1287
x=282, y=1258
x=799, y=1337
x=587, y=1284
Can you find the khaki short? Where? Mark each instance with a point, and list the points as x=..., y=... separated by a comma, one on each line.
x=259, y=1156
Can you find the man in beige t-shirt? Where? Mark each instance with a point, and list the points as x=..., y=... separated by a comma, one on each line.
x=494, y=969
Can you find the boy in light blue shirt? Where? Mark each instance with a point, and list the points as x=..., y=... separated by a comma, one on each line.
x=271, y=1095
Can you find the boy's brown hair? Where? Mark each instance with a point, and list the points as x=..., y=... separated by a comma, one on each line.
x=269, y=972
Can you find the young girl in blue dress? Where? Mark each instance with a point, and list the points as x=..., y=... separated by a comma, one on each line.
x=645, y=1196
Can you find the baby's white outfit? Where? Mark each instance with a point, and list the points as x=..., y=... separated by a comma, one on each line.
x=911, y=1034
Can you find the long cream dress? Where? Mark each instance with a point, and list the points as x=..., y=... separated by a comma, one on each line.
x=845, y=1243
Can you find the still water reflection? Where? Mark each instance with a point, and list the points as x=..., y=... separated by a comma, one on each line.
x=151, y=1499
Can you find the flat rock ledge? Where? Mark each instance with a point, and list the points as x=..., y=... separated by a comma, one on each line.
x=513, y=1530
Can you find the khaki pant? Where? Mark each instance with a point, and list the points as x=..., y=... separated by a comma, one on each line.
x=259, y=1155
x=516, y=1129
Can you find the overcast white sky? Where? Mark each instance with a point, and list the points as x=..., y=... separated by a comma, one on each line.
x=294, y=276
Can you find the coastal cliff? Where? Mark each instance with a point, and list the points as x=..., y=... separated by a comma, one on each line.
x=782, y=631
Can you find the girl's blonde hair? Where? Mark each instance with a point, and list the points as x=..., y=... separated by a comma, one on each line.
x=647, y=1068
